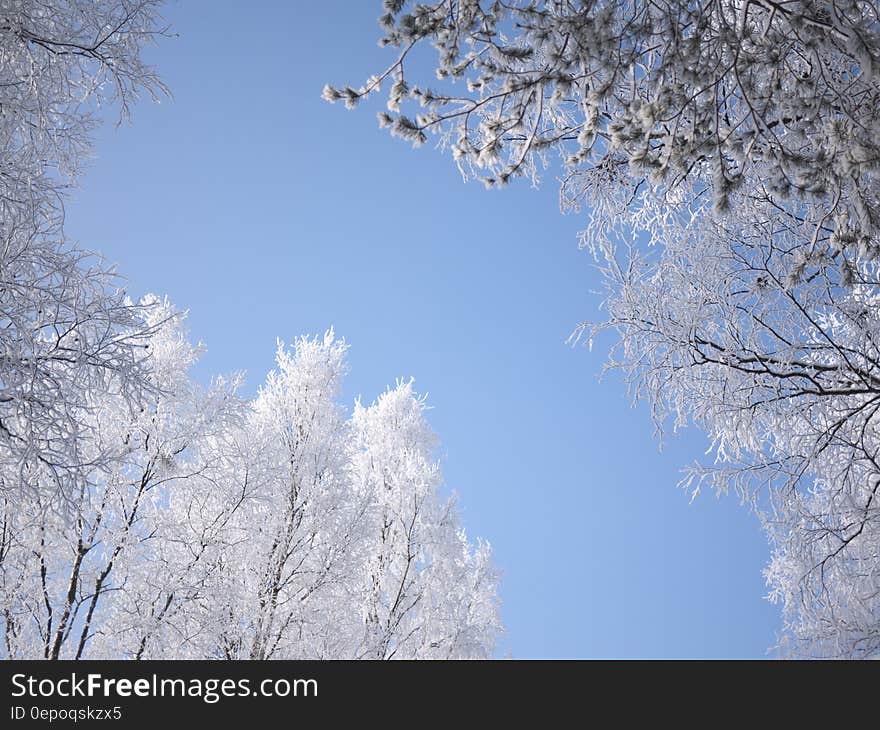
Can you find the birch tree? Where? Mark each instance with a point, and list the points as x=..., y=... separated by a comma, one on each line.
x=334, y=542
x=274, y=528
x=428, y=593
x=66, y=565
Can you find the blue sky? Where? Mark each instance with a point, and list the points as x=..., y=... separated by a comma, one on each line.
x=268, y=213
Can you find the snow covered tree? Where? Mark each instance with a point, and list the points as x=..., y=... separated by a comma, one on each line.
x=727, y=155
x=428, y=593
x=65, y=329
x=276, y=528
x=331, y=541
x=67, y=561
x=142, y=515
x=728, y=90
x=289, y=577
x=728, y=324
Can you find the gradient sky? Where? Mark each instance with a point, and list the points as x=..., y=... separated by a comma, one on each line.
x=267, y=213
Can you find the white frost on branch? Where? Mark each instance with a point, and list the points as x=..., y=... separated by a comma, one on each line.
x=727, y=154
x=263, y=529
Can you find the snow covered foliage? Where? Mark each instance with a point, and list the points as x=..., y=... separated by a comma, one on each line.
x=142, y=515
x=727, y=155
x=780, y=369
x=226, y=528
x=66, y=332
x=724, y=90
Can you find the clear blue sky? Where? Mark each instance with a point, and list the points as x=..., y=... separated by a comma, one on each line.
x=267, y=212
